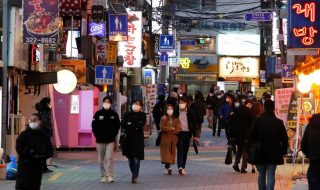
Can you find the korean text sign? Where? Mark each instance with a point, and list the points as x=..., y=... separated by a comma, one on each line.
x=304, y=25
x=131, y=49
x=40, y=22
x=239, y=67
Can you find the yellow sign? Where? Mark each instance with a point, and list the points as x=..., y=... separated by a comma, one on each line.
x=112, y=52
x=185, y=62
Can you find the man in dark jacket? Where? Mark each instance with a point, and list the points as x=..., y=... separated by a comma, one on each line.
x=158, y=110
x=224, y=114
x=188, y=130
x=309, y=146
x=199, y=109
x=105, y=127
x=212, y=119
x=217, y=103
x=270, y=133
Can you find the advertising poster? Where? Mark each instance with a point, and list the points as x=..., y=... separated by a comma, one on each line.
x=40, y=22
x=78, y=67
x=101, y=50
x=282, y=100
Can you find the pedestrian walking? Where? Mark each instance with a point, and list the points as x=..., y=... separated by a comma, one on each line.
x=132, y=126
x=33, y=146
x=239, y=126
x=188, y=131
x=44, y=110
x=199, y=109
x=158, y=110
x=269, y=135
x=224, y=114
x=209, y=103
x=170, y=127
x=105, y=127
x=217, y=104
x=309, y=146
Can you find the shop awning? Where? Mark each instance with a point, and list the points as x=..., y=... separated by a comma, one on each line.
x=194, y=78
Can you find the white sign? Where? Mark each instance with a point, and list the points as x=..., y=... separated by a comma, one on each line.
x=247, y=67
x=239, y=44
x=131, y=49
x=74, y=104
x=275, y=32
x=101, y=48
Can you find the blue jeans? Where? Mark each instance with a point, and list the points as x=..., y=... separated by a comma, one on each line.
x=268, y=171
x=134, y=164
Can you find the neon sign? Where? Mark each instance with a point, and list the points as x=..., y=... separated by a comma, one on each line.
x=302, y=24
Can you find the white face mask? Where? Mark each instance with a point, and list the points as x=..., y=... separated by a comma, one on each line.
x=210, y=94
x=106, y=106
x=136, y=107
x=182, y=106
x=34, y=125
x=170, y=112
x=237, y=104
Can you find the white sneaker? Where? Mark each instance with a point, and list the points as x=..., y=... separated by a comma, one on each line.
x=183, y=172
x=166, y=171
x=110, y=179
x=180, y=170
x=103, y=180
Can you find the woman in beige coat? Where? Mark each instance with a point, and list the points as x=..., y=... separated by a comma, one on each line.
x=170, y=127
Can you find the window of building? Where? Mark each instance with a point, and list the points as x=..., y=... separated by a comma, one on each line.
x=209, y=5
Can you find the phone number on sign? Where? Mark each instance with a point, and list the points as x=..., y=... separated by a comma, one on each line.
x=42, y=40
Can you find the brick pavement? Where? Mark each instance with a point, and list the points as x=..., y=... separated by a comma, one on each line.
x=79, y=170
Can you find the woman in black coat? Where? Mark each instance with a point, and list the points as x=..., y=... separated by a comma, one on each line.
x=132, y=126
x=270, y=133
x=33, y=147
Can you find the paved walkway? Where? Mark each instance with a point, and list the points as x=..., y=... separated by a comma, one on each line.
x=79, y=170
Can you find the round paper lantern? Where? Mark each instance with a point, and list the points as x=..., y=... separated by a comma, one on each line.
x=67, y=82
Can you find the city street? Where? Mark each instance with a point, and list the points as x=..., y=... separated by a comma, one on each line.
x=206, y=171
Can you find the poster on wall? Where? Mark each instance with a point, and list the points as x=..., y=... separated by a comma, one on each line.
x=74, y=108
x=40, y=22
x=78, y=67
x=131, y=49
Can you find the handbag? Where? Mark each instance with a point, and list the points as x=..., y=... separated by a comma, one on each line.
x=158, y=140
x=122, y=142
x=228, y=159
x=254, y=153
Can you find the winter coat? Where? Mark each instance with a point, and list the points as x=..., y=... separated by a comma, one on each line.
x=217, y=104
x=132, y=125
x=209, y=102
x=105, y=125
x=311, y=139
x=240, y=122
x=271, y=133
x=169, y=131
x=191, y=122
x=45, y=112
x=33, y=148
x=225, y=111
x=199, y=109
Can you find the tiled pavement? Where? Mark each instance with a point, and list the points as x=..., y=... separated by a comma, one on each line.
x=206, y=171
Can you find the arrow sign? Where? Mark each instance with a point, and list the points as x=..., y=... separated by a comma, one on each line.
x=258, y=16
x=104, y=72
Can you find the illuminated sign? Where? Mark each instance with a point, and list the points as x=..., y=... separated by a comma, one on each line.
x=97, y=29
x=67, y=82
x=304, y=24
x=185, y=62
x=131, y=49
x=239, y=44
x=275, y=32
x=247, y=67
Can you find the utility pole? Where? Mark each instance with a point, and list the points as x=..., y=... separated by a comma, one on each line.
x=165, y=27
x=4, y=119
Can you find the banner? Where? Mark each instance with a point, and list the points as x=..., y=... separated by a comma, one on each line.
x=40, y=22
x=131, y=49
x=282, y=100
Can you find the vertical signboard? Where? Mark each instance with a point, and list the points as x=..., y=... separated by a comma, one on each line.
x=131, y=49
x=112, y=52
x=304, y=26
x=40, y=22
x=118, y=27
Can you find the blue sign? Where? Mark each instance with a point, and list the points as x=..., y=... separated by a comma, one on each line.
x=118, y=27
x=148, y=76
x=303, y=24
x=164, y=57
x=104, y=75
x=258, y=16
x=286, y=75
x=97, y=29
x=166, y=43
x=188, y=42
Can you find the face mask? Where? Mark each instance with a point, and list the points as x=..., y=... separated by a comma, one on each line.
x=237, y=104
x=243, y=101
x=136, y=107
x=219, y=96
x=250, y=94
x=182, y=106
x=106, y=106
x=34, y=125
x=169, y=112
x=210, y=94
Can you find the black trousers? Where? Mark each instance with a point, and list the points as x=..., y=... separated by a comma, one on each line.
x=313, y=175
x=183, y=148
x=242, y=151
x=134, y=164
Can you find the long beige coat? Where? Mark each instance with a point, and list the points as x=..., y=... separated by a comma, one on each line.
x=170, y=128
